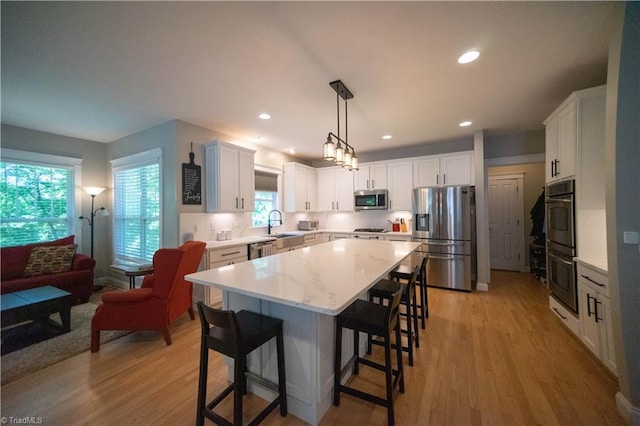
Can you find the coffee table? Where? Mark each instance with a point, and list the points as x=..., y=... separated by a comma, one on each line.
x=36, y=305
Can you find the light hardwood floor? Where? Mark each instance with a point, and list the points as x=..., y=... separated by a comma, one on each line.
x=486, y=358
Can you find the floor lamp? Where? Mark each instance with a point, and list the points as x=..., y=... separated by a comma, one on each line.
x=101, y=211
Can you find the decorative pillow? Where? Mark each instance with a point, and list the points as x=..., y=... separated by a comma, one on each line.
x=50, y=260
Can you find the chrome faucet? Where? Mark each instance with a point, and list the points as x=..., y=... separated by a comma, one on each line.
x=269, y=220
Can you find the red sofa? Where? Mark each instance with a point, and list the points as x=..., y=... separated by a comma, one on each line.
x=78, y=281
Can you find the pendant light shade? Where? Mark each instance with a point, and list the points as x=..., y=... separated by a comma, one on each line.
x=347, y=159
x=339, y=154
x=354, y=163
x=329, y=150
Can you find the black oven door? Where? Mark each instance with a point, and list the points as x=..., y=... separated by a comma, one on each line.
x=560, y=220
x=562, y=279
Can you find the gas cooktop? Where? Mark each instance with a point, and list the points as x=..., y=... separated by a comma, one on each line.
x=369, y=230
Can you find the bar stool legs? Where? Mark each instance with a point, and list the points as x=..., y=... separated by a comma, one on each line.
x=383, y=321
x=236, y=335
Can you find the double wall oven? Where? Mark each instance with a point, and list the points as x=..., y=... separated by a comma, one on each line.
x=561, y=243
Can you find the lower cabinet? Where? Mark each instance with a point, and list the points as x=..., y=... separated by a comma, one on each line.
x=563, y=314
x=596, y=331
x=216, y=259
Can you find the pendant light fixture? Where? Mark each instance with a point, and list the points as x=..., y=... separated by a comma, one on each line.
x=342, y=156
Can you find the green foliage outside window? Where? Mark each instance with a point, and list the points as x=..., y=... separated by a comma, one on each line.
x=35, y=203
x=265, y=202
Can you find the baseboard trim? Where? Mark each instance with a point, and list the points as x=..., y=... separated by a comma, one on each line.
x=630, y=413
x=482, y=286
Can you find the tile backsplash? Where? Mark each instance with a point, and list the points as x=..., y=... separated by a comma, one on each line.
x=205, y=226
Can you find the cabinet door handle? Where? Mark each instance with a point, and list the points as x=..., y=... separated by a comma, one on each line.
x=437, y=179
x=332, y=205
x=337, y=205
x=236, y=202
x=589, y=304
x=230, y=254
x=595, y=309
x=373, y=184
x=586, y=277
x=552, y=175
x=444, y=179
x=242, y=203
x=367, y=183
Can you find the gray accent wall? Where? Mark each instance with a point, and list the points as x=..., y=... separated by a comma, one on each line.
x=94, y=173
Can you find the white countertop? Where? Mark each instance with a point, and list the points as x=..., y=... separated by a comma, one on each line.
x=599, y=265
x=324, y=278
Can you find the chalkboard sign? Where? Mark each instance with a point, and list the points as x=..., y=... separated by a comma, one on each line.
x=191, y=181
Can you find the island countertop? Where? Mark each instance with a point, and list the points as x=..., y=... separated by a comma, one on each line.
x=324, y=278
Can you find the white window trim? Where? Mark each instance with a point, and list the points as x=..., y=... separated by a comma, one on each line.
x=49, y=160
x=139, y=159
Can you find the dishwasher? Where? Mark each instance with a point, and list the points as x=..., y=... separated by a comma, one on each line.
x=266, y=248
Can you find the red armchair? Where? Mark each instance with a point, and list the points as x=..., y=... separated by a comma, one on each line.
x=163, y=297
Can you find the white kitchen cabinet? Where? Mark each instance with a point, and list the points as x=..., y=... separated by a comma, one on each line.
x=299, y=188
x=575, y=124
x=309, y=240
x=443, y=170
x=230, y=178
x=217, y=258
x=335, y=190
x=560, y=144
x=595, y=314
x=399, y=185
x=371, y=176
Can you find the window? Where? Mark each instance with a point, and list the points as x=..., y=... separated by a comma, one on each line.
x=137, y=219
x=37, y=200
x=266, y=197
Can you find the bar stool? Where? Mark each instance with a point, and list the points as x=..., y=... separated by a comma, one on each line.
x=368, y=317
x=404, y=273
x=408, y=298
x=236, y=335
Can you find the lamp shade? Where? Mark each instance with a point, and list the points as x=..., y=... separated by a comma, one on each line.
x=93, y=190
x=355, y=166
x=347, y=159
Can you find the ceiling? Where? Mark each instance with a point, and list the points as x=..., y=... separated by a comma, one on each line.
x=101, y=71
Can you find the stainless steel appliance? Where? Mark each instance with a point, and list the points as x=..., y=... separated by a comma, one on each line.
x=561, y=243
x=445, y=223
x=377, y=199
x=308, y=225
x=262, y=249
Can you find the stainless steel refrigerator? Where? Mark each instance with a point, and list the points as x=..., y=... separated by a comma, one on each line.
x=444, y=221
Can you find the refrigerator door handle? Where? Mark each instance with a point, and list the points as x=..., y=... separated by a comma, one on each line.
x=455, y=243
x=446, y=257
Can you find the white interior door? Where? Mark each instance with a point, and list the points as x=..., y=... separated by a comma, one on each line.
x=505, y=223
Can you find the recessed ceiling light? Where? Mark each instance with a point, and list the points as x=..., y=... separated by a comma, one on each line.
x=264, y=116
x=465, y=124
x=387, y=137
x=469, y=56
x=256, y=138
x=292, y=151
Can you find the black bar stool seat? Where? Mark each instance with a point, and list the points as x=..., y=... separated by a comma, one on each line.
x=368, y=317
x=408, y=298
x=236, y=335
x=403, y=272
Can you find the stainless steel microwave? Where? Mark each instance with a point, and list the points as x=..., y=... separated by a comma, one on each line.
x=371, y=200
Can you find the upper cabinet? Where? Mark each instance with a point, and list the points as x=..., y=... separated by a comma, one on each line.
x=443, y=170
x=230, y=178
x=576, y=134
x=371, y=176
x=560, y=144
x=299, y=188
x=335, y=190
x=399, y=189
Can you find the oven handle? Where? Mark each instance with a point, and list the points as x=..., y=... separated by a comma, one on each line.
x=566, y=262
x=558, y=200
x=451, y=257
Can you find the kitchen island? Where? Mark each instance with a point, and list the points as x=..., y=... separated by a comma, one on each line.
x=306, y=288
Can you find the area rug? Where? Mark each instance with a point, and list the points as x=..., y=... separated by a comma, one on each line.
x=40, y=355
